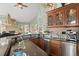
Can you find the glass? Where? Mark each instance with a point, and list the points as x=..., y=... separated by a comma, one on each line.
x=71, y=16
x=59, y=19
x=50, y=20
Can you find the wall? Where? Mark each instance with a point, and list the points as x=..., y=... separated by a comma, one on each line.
x=40, y=24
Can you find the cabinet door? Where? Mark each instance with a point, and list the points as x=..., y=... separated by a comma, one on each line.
x=56, y=50
x=51, y=20
x=41, y=43
x=77, y=49
x=55, y=47
x=71, y=16
x=35, y=41
x=59, y=18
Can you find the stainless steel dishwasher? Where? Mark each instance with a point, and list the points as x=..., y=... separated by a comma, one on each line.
x=68, y=49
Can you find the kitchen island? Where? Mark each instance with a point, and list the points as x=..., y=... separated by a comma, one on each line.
x=5, y=46
x=30, y=49
x=4, y=50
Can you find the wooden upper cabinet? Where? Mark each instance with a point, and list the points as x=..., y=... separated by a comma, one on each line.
x=51, y=20
x=71, y=15
x=64, y=16
x=59, y=18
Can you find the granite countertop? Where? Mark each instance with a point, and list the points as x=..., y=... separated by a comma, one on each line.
x=31, y=49
x=4, y=49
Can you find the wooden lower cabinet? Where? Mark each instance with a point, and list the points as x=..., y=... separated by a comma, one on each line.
x=77, y=49
x=35, y=41
x=55, y=48
x=41, y=43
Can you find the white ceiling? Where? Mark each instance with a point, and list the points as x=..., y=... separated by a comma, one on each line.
x=22, y=15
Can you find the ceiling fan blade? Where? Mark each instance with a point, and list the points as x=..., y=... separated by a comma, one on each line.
x=24, y=5
x=20, y=5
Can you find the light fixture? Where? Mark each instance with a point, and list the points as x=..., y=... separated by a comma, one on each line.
x=20, y=5
x=50, y=4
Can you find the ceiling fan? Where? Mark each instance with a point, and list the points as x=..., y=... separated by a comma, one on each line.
x=20, y=5
x=47, y=5
x=50, y=4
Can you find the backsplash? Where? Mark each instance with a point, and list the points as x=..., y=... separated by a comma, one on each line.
x=57, y=31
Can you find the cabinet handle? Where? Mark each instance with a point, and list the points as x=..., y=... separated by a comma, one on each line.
x=60, y=47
